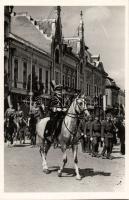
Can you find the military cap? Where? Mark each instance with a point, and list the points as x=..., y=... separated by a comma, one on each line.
x=58, y=88
x=108, y=115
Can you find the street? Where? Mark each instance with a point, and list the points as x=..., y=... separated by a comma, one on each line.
x=23, y=171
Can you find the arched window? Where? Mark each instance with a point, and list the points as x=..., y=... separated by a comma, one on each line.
x=81, y=68
x=57, y=56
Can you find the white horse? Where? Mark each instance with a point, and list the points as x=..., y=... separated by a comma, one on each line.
x=68, y=137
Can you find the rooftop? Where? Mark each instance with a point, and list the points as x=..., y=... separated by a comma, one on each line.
x=26, y=28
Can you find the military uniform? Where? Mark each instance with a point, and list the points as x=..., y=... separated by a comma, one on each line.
x=107, y=132
x=10, y=112
x=95, y=133
x=81, y=132
x=87, y=130
x=56, y=112
x=19, y=115
x=34, y=116
x=9, y=124
x=35, y=111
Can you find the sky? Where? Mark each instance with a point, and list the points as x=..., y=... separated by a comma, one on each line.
x=104, y=32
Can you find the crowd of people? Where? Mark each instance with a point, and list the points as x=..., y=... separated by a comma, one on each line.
x=94, y=132
x=102, y=133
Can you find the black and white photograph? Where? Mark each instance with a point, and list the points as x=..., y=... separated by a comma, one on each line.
x=64, y=92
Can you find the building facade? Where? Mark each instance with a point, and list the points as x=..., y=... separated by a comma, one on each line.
x=7, y=23
x=40, y=53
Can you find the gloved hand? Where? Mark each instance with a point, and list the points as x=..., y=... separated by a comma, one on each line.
x=64, y=109
x=54, y=109
x=59, y=109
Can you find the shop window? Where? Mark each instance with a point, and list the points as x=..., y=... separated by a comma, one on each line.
x=24, y=75
x=68, y=82
x=46, y=82
x=81, y=68
x=89, y=90
x=57, y=56
x=63, y=80
x=15, y=72
x=40, y=75
x=57, y=77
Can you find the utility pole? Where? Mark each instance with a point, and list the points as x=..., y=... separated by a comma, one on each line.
x=31, y=82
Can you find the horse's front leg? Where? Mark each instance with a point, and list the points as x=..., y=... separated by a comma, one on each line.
x=75, y=150
x=64, y=161
x=44, y=148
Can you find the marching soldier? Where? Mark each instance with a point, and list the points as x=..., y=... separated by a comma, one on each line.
x=34, y=117
x=21, y=123
x=87, y=130
x=107, y=132
x=95, y=135
x=10, y=112
x=81, y=132
x=19, y=113
x=9, y=123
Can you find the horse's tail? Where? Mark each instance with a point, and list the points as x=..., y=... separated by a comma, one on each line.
x=40, y=127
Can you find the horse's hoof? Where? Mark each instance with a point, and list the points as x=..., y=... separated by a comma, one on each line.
x=78, y=177
x=46, y=171
x=59, y=174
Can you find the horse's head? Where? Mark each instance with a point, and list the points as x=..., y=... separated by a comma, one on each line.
x=81, y=105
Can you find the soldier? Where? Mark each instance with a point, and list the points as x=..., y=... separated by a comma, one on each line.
x=34, y=117
x=10, y=111
x=107, y=132
x=87, y=130
x=95, y=135
x=81, y=132
x=19, y=113
x=21, y=123
x=56, y=112
x=9, y=123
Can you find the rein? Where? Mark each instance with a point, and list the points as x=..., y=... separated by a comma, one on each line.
x=75, y=116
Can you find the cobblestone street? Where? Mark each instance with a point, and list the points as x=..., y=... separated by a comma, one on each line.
x=23, y=172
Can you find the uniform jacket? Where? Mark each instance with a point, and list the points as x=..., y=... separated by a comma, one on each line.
x=19, y=113
x=35, y=111
x=10, y=112
x=55, y=103
x=87, y=128
x=107, y=129
x=95, y=129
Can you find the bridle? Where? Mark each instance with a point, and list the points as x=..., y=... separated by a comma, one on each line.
x=75, y=116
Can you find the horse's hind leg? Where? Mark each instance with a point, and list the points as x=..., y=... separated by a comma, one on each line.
x=62, y=163
x=75, y=150
x=43, y=152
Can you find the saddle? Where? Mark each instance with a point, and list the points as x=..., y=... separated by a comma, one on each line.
x=53, y=128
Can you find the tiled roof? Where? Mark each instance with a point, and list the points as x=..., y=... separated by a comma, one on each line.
x=111, y=82
x=25, y=27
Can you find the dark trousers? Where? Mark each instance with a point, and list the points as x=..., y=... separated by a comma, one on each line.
x=33, y=135
x=95, y=144
x=88, y=144
x=83, y=145
x=108, y=146
x=122, y=146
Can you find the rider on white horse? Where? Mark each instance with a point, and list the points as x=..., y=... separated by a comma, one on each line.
x=56, y=112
